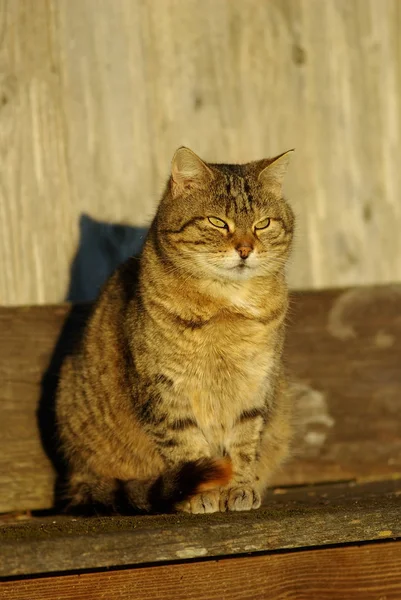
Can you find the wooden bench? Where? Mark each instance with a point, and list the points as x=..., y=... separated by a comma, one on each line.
x=330, y=527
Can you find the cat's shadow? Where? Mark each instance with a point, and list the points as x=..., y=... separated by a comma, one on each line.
x=102, y=248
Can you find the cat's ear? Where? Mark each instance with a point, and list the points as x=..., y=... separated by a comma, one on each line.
x=272, y=175
x=188, y=171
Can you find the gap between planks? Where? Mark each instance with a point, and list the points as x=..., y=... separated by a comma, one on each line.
x=369, y=572
x=302, y=518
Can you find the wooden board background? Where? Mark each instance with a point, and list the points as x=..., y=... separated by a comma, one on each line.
x=95, y=95
x=343, y=355
x=335, y=574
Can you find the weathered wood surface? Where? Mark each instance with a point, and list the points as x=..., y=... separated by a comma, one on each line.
x=343, y=352
x=302, y=518
x=371, y=572
x=97, y=94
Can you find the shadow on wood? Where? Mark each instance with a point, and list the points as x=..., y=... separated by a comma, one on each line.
x=102, y=248
x=70, y=336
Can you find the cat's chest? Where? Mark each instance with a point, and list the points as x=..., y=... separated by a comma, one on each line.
x=227, y=371
x=229, y=344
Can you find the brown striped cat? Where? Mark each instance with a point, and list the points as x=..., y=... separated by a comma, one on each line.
x=176, y=395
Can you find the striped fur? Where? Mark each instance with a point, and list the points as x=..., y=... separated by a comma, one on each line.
x=176, y=395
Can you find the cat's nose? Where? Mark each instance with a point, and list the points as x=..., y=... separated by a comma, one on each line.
x=244, y=249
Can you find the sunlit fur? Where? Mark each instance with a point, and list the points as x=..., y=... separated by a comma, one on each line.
x=237, y=197
x=182, y=362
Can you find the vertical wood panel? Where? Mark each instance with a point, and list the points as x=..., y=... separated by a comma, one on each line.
x=97, y=94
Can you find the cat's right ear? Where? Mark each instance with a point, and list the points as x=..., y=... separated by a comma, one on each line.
x=188, y=172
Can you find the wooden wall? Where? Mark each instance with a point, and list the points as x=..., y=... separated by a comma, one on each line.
x=95, y=95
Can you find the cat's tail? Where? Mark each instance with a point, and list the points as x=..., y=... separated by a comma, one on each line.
x=179, y=484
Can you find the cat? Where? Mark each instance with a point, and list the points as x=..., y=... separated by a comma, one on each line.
x=176, y=398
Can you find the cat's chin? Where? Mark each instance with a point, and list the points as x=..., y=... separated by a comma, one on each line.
x=236, y=273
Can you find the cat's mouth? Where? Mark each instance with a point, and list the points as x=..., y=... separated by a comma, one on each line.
x=236, y=270
x=241, y=270
x=241, y=266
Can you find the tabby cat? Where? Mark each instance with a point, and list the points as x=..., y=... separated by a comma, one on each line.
x=175, y=398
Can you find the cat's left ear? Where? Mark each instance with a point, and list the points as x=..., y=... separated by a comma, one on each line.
x=272, y=176
x=188, y=172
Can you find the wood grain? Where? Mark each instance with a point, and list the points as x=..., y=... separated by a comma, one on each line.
x=96, y=96
x=343, y=355
x=370, y=572
x=304, y=518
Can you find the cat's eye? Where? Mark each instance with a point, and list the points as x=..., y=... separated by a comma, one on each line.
x=264, y=224
x=218, y=222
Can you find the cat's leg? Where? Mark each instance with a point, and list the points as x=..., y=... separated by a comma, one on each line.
x=275, y=443
x=242, y=493
x=180, y=443
x=260, y=443
x=173, y=428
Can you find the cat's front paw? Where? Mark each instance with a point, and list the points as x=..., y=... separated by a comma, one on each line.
x=206, y=502
x=239, y=498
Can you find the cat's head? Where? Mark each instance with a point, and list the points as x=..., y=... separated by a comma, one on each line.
x=227, y=222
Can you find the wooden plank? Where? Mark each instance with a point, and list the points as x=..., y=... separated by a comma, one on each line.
x=371, y=572
x=297, y=519
x=35, y=193
x=343, y=353
x=28, y=347
x=235, y=80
